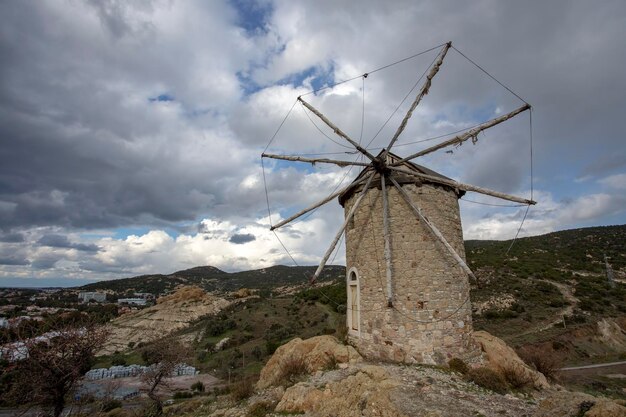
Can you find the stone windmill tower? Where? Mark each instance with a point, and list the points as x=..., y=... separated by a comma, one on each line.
x=407, y=280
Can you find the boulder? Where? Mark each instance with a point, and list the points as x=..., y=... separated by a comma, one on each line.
x=566, y=404
x=500, y=356
x=369, y=392
x=316, y=353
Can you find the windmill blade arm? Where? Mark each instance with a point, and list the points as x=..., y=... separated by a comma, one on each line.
x=465, y=136
x=388, y=266
x=425, y=88
x=318, y=204
x=335, y=129
x=433, y=229
x=464, y=187
x=313, y=160
x=343, y=228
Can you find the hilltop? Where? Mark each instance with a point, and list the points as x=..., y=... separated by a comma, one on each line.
x=213, y=279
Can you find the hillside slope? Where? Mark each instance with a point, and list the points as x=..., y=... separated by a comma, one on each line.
x=171, y=313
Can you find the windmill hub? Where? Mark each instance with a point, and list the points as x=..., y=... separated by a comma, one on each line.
x=380, y=166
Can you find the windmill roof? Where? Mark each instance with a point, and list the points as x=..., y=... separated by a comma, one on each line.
x=399, y=177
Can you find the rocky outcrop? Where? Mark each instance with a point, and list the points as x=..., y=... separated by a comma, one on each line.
x=171, y=313
x=369, y=392
x=500, y=357
x=566, y=404
x=612, y=334
x=316, y=353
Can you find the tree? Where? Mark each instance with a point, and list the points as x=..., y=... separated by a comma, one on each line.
x=163, y=357
x=49, y=366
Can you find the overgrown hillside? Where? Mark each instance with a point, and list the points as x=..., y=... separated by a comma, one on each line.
x=552, y=291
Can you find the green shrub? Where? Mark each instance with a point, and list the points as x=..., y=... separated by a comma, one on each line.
x=197, y=386
x=488, y=378
x=271, y=346
x=458, y=365
x=118, y=360
x=182, y=394
x=110, y=404
x=257, y=353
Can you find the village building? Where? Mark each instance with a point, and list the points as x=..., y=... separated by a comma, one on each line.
x=86, y=296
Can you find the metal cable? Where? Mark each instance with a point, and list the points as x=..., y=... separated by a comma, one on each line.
x=373, y=71
x=489, y=75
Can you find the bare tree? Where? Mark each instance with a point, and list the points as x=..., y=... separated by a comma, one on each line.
x=46, y=369
x=162, y=357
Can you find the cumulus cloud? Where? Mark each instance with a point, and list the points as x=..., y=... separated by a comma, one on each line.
x=548, y=216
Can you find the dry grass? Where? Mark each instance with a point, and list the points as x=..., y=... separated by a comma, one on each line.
x=488, y=378
x=518, y=377
x=458, y=365
x=292, y=370
x=260, y=409
x=243, y=389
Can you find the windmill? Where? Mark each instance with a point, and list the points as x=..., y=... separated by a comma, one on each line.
x=412, y=303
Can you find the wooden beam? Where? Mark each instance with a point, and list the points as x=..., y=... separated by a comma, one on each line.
x=464, y=187
x=335, y=129
x=343, y=228
x=318, y=204
x=472, y=133
x=314, y=160
x=383, y=189
x=425, y=88
x=433, y=229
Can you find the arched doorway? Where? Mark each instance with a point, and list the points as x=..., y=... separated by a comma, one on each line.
x=353, y=307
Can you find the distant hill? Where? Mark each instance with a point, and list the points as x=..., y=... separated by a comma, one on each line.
x=213, y=279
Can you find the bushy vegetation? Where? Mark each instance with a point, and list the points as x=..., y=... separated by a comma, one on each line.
x=291, y=370
x=243, y=388
x=458, y=365
x=488, y=378
x=332, y=295
x=543, y=359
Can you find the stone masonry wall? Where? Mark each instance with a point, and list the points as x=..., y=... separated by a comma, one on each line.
x=430, y=321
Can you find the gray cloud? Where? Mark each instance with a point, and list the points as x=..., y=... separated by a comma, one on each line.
x=60, y=241
x=45, y=261
x=241, y=238
x=13, y=260
x=13, y=237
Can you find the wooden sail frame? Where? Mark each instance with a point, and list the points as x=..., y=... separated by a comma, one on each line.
x=381, y=166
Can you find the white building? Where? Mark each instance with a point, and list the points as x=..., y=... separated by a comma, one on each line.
x=4, y=322
x=133, y=301
x=86, y=296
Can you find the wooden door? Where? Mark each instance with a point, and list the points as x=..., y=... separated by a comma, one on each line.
x=354, y=306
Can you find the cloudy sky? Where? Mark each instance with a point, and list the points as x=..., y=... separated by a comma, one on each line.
x=131, y=132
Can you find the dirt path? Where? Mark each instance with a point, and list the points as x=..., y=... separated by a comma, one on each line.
x=568, y=294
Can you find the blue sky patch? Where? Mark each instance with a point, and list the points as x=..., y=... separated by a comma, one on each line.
x=253, y=15
x=162, y=97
